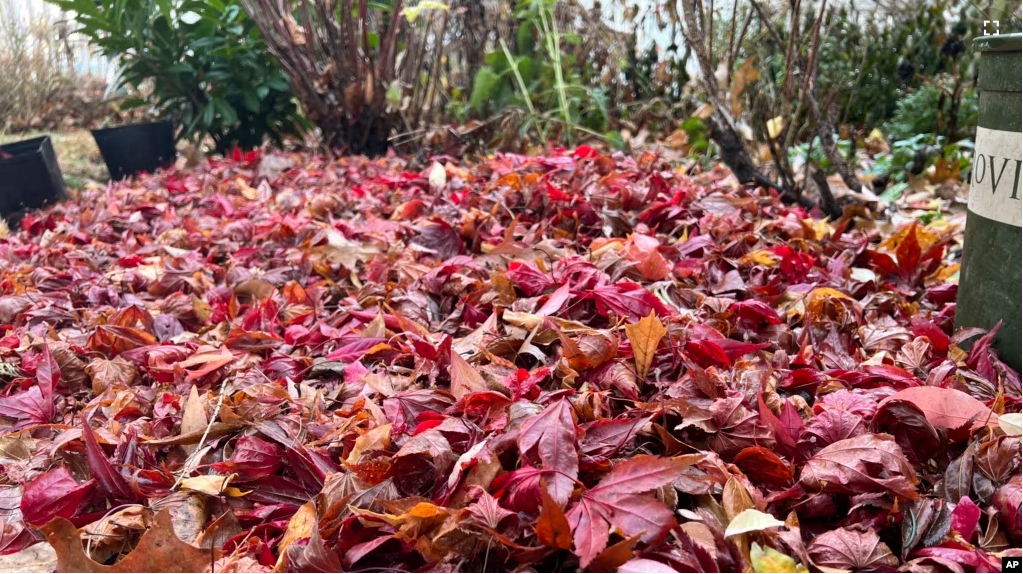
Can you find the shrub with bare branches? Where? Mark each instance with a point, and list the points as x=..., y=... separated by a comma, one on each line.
x=358, y=68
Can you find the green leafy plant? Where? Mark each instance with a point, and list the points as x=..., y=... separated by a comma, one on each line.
x=870, y=63
x=926, y=110
x=203, y=62
x=696, y=130
x=916, y=154
x=813, y=153
x=544, y=78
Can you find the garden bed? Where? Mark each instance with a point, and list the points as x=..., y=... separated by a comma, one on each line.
x=566, y=361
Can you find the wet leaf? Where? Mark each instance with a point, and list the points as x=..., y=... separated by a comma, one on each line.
x=1008, y=499
x=947, y=408
x=464, y=378
x=212, y=484
x=925, y=522
x=111, y=482
x=541, y=361
x=617, y=501
x=54, y=493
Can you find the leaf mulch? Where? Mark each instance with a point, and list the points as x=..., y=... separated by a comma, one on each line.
x=573, y=361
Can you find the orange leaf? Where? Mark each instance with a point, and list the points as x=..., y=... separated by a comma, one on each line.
x=552, y=527
x=201, y=364
x=159, y=550
x=644, y=337
x=588, y=349
x=615, y=555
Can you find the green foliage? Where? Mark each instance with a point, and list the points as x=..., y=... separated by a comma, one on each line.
x=544, y=79
x=870, y=63
x=920, y=152
x=696, y=129
x=918, y=112
x=204, y=60
x=866, y=63
x=813, y=152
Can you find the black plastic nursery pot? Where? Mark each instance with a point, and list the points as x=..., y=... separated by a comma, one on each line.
x=136, y=148
x=29, y=178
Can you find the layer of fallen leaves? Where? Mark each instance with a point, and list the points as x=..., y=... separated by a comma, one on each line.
x=559, y=362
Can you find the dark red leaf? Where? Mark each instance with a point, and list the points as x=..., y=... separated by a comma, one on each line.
x=1008, y=500
x=27, y=408
x=252, y=458
x=47, y=373
x=549, y=440
x=111, y=483
x=51, y=494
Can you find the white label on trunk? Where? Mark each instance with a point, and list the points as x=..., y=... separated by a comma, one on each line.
x=995, y=181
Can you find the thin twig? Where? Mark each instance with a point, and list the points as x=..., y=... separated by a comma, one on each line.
x=199, y=447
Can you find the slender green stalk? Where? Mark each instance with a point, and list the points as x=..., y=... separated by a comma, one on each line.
x=553, y=42
x=513, y=64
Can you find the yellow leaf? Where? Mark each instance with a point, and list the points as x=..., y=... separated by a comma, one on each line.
x=300, y=526
x=751, y=520
x=735, y=498
x=925, y=236
x=421, y=518
x=760, y=257
x=944, y=274
x=193, y=417
x=248, y=192
x=821, y=228
x=213, y=485
x=678, y=139
x=644, y=337
x=821, y=299
x=375, y=329
x=774, y=127
x=827, y=293
x=412, y=13
x=768, y=559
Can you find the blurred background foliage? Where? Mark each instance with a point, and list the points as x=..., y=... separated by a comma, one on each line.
x=512, y=74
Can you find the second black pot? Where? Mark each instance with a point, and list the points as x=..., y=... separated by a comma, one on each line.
x=137, y=148
x=29, y=178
